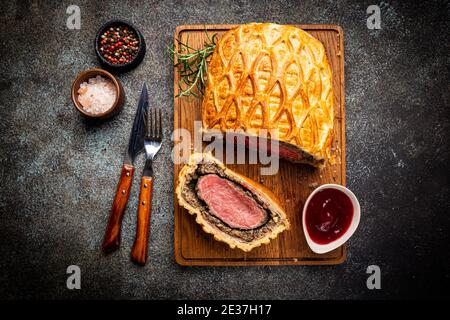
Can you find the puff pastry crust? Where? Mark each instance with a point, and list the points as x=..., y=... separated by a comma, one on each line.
x=272, y=77
x=244, y=240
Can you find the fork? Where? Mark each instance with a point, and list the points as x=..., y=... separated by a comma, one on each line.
x=152, y=144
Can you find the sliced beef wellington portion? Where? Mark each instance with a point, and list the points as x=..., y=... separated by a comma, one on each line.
x=229, y=203
x=236, y=210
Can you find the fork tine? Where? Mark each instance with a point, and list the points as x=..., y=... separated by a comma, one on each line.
x=153, y=124
x=159, y=124
x=148, y=127
x=156, y=123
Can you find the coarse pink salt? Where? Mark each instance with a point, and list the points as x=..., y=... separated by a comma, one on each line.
x=97, y=95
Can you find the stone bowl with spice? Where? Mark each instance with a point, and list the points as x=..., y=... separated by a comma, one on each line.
x=97, y=94
x=119, y=46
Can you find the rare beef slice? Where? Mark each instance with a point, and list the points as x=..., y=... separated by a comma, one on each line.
x=230, y=203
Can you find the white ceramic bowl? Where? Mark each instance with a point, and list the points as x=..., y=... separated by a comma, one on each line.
x=323, y=248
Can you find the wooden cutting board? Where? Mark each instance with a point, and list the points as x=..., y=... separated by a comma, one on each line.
x=292, y=184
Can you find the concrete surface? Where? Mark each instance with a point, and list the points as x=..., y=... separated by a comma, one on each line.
x=58, y=173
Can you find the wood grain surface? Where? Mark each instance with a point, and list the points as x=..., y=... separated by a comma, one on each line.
x=111, y=240
x=139, y=252
x=292, y=184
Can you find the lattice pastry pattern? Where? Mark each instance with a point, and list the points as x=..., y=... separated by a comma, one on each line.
x=272, y=77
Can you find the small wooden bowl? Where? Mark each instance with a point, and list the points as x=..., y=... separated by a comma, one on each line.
x=92, y=73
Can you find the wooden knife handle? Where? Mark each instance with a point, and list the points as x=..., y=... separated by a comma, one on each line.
x=111, y=241
x=139, y=252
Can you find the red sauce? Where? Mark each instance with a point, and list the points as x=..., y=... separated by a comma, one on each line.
x=328, y=215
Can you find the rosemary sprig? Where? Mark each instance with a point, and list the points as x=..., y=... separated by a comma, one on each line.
x=192, y=65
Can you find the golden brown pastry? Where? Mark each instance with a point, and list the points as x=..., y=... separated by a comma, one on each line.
x=269, y=76
x=236, y=210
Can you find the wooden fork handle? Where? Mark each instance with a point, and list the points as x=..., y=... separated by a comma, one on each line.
x=111, y=240
x=139, y=251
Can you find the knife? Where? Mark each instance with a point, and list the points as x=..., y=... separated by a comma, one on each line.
x=111, y=240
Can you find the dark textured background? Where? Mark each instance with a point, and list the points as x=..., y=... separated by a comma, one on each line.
x=58, y=173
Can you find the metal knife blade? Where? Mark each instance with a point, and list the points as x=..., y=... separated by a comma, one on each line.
x=136, y=142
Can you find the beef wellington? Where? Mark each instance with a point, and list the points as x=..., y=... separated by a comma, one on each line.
x=236, y=210
x=274, y=78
